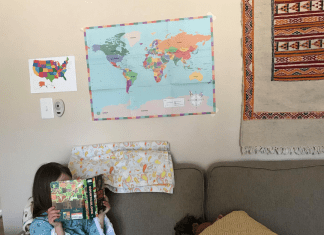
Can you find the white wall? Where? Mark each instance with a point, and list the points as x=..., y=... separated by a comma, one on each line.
x=43, y=28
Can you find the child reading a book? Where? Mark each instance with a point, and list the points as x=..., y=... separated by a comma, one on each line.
x=45, y=214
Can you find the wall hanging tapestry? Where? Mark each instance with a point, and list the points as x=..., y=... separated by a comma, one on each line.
x=283, y=56
x=151, y=69
x=127, y=167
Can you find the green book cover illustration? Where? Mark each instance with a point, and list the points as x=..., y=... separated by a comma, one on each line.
x=77, y=199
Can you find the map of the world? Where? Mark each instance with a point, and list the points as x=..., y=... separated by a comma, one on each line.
x=151, y=69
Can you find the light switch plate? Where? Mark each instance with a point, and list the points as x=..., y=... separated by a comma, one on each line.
x=46, y=108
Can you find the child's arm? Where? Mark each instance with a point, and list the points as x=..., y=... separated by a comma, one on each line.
x=102, y=215
x=102, y=225
x=42, y=226
x=96, y=228
x=59, y=230
x=52, y=215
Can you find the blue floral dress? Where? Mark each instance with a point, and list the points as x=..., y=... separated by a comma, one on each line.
x=41, y=226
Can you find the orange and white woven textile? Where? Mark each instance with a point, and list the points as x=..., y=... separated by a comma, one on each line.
x=283, y=57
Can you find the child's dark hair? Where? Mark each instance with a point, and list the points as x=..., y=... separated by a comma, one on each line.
x=46, y=174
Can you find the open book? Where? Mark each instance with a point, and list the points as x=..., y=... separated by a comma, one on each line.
x=78, y=199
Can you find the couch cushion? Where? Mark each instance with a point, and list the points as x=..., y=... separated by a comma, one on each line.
x=285, y=196
x=158, y=213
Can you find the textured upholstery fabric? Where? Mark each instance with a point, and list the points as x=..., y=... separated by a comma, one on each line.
x=237, y=222
x=158, y=213
x=285, y=196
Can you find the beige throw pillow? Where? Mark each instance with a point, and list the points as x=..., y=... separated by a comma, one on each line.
x=237, y=222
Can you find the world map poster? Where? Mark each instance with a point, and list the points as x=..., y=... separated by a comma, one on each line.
x=151, y=69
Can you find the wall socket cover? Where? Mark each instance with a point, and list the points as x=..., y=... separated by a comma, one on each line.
x=59, y=107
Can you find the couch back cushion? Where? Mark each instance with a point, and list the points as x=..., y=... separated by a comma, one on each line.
x=158, y=213
x=285, y=196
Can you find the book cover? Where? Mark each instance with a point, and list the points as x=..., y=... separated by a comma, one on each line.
x=90, y=194
x=78, y=199
x=100, y=193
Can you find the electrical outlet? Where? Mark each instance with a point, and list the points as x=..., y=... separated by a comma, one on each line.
x=46, y=108
x=59, y=108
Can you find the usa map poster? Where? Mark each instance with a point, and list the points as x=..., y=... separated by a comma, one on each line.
x=151, y=69
x=55, y=74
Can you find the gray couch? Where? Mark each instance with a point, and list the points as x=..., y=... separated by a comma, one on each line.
x=285, y=196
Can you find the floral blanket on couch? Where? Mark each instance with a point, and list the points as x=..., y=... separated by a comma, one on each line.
x=127, y=167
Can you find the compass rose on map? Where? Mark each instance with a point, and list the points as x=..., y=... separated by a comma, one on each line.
x=196, y=99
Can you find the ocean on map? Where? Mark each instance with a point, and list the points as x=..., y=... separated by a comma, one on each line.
x=108, y=84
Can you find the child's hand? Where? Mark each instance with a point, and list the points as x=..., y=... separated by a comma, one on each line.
x=101, y=216
x=53, y=214
x=106, y=204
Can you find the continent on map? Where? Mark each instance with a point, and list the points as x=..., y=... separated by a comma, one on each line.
x=130, y=77
x=50, y=69
x=133, y=37
x=157, y=65
x=196, y=75
x=177, y=48
x=115, y=51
